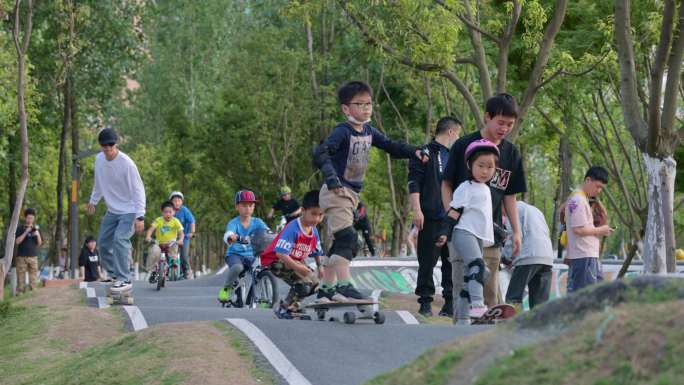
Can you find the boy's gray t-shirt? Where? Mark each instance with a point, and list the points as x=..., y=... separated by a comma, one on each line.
x=536, y=243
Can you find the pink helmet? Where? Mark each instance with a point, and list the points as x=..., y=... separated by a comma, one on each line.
x=481, y=145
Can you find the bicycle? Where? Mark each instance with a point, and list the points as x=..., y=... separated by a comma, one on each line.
x=164, y=268
x=257, y=286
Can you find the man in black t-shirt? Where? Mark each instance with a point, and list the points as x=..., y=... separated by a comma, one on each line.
x=501, y=112
x=28, y=241
x=89, y=261
x=288, y=206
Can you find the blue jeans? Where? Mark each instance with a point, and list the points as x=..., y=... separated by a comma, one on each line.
x=582, y=273
x=114, y=243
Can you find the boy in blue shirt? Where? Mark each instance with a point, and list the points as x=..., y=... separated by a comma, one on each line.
x=343, y=160
x=240, y=255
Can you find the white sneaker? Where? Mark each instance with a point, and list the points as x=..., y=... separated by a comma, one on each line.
x=121, y=286
x=478, y=311
x=462, y=321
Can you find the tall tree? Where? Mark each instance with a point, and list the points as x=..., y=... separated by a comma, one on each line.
x=22, y=37
x=650, y=117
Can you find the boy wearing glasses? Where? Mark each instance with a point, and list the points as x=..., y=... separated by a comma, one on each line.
x=343, y=160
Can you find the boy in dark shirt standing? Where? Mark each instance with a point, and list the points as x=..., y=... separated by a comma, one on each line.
x=28, y=241
x=89, y=261
x=343, y=160
x=501, y=112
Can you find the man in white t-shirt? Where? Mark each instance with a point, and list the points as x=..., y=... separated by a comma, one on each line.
x=118, y=181
x=584, y=239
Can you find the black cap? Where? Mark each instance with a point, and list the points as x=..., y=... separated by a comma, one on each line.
x=107, y=136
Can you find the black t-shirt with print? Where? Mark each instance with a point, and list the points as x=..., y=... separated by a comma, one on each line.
x=286, y=207
x=509, y=178
x=29, y=246
x=90, y=260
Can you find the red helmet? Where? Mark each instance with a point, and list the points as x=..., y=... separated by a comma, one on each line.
x=245, y=196
x=482, y=145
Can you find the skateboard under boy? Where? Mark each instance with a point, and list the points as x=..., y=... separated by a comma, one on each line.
x=123, y=297
x=350, y=311
x=495, y=314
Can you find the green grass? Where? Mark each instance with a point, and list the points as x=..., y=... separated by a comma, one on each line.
x=26, y=357
x=630, y=355
x=244, y=349
x=430, y=368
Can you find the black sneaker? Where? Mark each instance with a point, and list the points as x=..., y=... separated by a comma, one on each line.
x=425, y=309
x=350, y=292
x=325, y=295
x=448, y=309
x=153, y=277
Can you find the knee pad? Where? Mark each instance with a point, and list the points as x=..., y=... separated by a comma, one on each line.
x=481, y=274
x=345, y=243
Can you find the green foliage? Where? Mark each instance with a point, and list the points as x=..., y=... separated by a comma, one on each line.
x=218, y=95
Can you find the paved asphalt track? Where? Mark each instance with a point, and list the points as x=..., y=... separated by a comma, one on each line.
x=322, y=352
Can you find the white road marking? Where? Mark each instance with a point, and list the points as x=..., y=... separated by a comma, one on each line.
x=102, y=303
x=137, y=318
x=270, y=351
x=90, y=292
x=221, y=270
x=407, y=317
x=82, y=285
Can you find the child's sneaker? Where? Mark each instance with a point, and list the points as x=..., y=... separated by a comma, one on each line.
x=477, y=311
x=350, y=291
x=329, y=295
x=282, y=312
x=153, y=277
x=225, y=293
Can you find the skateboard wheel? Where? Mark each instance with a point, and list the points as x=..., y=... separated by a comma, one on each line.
x=130, y=300
x=110, y=300
x=379, y=318
x=349, y=318
x=320, y=315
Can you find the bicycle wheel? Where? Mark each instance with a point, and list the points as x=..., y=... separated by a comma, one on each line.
x=266, y=290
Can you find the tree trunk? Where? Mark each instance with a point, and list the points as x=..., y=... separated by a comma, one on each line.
x=659, y=237
x=58, y=239
x=21, y=48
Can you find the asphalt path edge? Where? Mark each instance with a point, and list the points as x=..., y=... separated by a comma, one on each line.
x=274, y=356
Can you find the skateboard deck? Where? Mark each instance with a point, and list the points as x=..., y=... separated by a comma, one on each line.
x=496, y=314
x=124, y=297
x=350, y=311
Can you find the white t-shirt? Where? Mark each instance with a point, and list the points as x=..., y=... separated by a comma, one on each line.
x=476, y=200
x=118, y=182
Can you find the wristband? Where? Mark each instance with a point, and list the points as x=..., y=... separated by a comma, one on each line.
x=140, y=218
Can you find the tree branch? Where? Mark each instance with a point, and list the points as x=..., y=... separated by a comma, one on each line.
x=504, y=47
x=562, y=72
x=540, y=63
x=628, y=84
x=467, y=96
x=468, y=23
x=479, y=56
x=386, y=47
x=672, y=84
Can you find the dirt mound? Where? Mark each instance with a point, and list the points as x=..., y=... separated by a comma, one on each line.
x=647, y=289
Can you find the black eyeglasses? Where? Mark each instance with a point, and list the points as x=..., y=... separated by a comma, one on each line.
x=362, y=105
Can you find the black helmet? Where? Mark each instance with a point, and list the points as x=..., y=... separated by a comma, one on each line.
x=107, y=137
